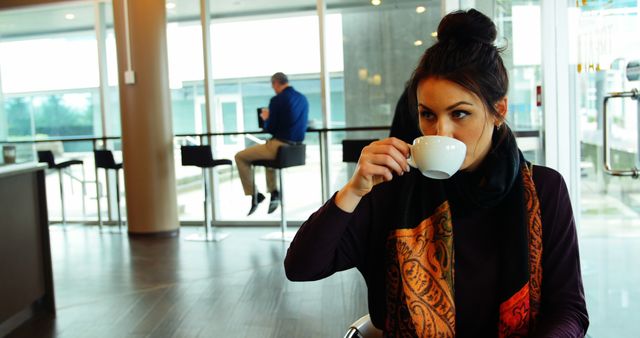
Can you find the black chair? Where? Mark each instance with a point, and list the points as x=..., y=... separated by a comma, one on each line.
x=104, y=159
x=287, y=156
x=200, y=156
x=351, y=149
x=46, y=156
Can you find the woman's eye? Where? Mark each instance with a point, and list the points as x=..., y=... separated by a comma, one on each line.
x=427, y=114
x=459, y=114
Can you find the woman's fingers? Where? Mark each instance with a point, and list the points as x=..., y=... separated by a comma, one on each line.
x=402, y=146
x=378, y=162
x=370, y=169
x=388, y=161
x=393, y=152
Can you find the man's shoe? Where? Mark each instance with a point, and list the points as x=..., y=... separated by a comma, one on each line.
x=274, y=202
x=254, y=202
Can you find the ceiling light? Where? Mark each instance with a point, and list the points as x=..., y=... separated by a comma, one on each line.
x=69, y=16
x=376, y=2
x=170, y=5
x=434, y=34
x=417, y=43
x=420, y=9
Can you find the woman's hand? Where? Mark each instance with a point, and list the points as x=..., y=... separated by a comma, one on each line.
x=378, y=162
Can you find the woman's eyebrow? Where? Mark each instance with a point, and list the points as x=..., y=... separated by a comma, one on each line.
x=451, y=107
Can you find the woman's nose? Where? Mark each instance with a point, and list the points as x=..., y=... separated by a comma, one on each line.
x=443, y=128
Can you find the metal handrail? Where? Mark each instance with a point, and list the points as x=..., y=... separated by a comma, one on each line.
x=323, y=146
x=633, y=172
x=64, y=139
x=518, y=133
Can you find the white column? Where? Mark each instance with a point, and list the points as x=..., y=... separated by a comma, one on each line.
x=561, y=140
x=325, y=93
x=101, y=39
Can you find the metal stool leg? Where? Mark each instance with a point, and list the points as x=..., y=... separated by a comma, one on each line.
x=118, y=200
x=210, y=235
x=98, y=198
x=283, y=218
x=84, y=191
x=283, y=234
x=64, y=218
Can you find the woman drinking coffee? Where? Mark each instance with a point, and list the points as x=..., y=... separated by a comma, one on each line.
x=490, y=251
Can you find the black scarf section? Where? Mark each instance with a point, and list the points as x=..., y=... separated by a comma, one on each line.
x=497, y=185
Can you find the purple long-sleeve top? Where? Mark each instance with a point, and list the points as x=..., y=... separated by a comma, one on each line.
x=333, y=240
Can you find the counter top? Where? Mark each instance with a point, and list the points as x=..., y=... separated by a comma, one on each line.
x=7, y=170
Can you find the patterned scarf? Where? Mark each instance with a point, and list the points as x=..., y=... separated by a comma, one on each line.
x=420, y=273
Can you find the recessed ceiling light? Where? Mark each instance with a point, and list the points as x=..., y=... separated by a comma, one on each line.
x=434, y=34
x=69, y=16
x=417, y=43
x=420, y=9
x=170, y=5
x=376, y=2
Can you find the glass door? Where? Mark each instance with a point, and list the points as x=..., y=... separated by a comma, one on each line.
x=604, y=46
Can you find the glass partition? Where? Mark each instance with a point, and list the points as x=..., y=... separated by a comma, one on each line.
x=51, y=89
x=247, y=47
x=518, y=24
x=604, y=40
x=380, y=46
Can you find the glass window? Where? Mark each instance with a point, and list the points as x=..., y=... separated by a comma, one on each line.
x=247, y=47
x=518, y=24
x=50, y=87
x=248, y=51
x=54, y=95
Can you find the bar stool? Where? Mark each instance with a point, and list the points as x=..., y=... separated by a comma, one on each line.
x=351, y=149
x=46, y=156
x=104, y=159
x=200, y=156
x=287, y=156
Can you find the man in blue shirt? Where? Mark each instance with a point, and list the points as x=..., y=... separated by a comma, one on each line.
x=286, y=120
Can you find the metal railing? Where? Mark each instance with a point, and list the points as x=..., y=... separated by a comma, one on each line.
x=207, y=138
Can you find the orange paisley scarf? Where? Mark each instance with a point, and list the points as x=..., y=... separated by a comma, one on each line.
x=420, y=273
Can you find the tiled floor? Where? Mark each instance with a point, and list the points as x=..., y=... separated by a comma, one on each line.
x=611, y=281
x=609, y=234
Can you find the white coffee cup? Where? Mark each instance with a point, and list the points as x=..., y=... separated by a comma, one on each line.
x=437, y=157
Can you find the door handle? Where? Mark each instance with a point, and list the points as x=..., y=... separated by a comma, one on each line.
x=633, y=172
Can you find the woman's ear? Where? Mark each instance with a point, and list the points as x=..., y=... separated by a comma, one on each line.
x=501, y=107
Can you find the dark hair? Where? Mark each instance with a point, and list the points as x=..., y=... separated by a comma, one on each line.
x=279, y=77
x=465, y=54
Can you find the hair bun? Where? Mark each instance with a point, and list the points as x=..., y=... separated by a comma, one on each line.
x=467, y=26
